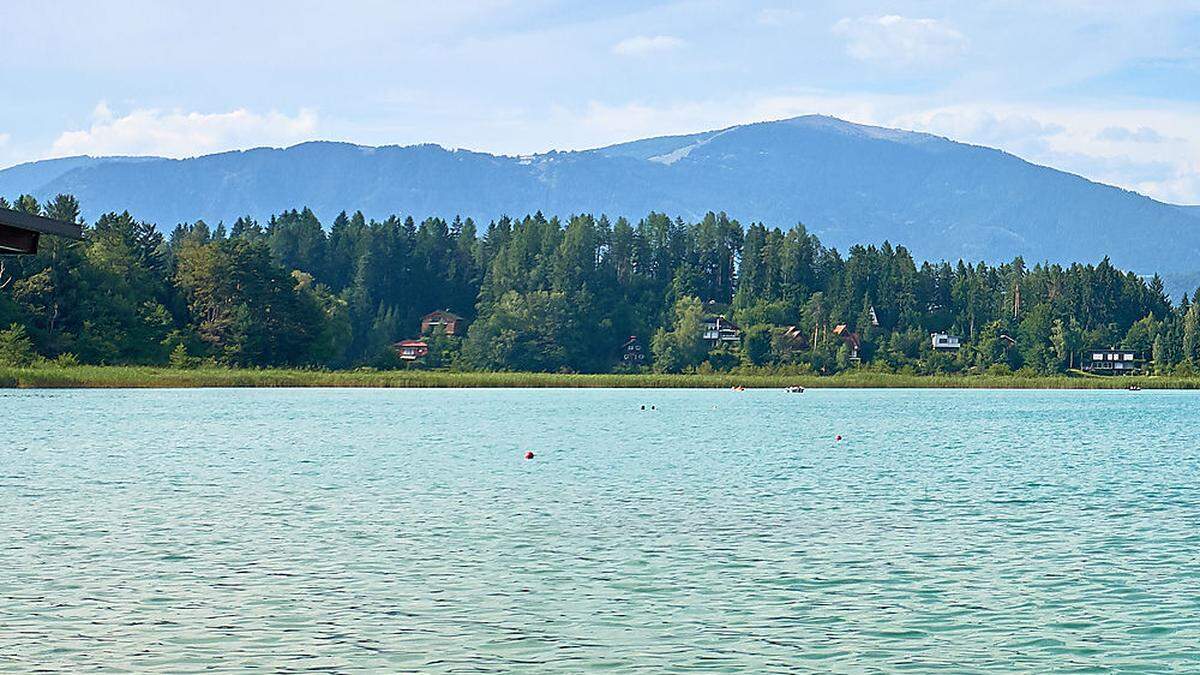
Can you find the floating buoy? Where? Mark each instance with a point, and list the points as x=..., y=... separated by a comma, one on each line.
x=838, y=437
x=529, y=453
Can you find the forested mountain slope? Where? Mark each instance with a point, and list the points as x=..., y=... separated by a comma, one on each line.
x=847, y=183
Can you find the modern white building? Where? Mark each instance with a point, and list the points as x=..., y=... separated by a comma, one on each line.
x=945, y=341
x=1112, y=361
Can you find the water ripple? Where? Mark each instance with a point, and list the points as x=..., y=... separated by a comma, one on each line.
x=335, y=530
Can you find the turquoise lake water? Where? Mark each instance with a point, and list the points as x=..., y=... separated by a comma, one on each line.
x=400, y=530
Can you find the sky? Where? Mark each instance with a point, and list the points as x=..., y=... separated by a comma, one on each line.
x=1109, y=90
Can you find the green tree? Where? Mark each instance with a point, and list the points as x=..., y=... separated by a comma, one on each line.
x=1159, y=360
x=546, y=294
x=181, y=359
x=1067, y=341
x=296, y=240
x=245, y=306
x=756, y=344
x=524, y=332
x=1191, y=334
x=682, y=346
x=16, y=349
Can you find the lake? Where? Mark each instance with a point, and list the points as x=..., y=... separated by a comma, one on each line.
x=401, y=530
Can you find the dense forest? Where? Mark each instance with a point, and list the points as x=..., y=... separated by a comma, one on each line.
x=539, y=294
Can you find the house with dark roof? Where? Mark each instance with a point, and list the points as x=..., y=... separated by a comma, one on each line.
x=411, y=350
x=632, y=352
x=448, y=322
x=852, y=340
x=719, y=330
x=794, y=339
x=1111, y=361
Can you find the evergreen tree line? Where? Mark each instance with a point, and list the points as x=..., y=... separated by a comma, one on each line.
x=542, y=294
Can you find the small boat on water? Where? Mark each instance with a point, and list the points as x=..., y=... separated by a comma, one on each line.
x=795, y=390
x=1134, y=387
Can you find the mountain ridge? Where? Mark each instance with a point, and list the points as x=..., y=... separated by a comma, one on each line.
x=849, y=183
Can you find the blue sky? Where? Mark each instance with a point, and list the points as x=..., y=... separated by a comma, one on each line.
x=1089, y=86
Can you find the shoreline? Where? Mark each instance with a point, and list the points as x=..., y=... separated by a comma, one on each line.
x=149, y=377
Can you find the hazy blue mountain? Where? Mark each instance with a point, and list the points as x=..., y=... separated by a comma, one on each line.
x=30, y=177
x=848, y=183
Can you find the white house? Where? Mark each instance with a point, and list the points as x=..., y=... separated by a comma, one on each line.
x=945, y=341
x=1113, y=361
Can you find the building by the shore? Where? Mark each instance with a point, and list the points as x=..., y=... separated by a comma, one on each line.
x=632, y=352
x=719, y=330
x=442, y=320
x=411, y=350
x=1111, y=361
x=944, y=342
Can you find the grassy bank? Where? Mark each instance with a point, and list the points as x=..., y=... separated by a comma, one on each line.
x=51, y=376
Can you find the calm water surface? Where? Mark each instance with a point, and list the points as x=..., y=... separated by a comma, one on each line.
x=350, y=530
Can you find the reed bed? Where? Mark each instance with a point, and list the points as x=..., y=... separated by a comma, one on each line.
x=107, y=377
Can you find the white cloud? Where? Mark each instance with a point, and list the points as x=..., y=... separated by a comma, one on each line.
x=638, y=120
x=182, y=134
x=641, y=45
x=102, y=111
x=1127, y=135
x=1081, y=140
x=4, y=139
x=900, y=41
x=1013, y=131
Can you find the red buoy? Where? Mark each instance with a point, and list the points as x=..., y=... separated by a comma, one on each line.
x=838, y=437
x=529, y=453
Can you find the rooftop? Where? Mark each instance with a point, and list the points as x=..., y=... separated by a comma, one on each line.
x=19, y=231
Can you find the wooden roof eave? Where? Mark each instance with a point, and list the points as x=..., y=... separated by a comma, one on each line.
x=40, y=224
x=20, y=232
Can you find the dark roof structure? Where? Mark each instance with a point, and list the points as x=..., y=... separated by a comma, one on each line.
x=19, y=232
x=721, y=320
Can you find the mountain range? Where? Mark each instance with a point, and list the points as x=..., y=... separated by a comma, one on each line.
x=848, y=183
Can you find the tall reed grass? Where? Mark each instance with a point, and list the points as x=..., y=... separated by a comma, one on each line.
x=59, y=376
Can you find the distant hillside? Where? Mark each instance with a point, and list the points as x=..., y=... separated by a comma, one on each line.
x=848, y=183
x=30, y=177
